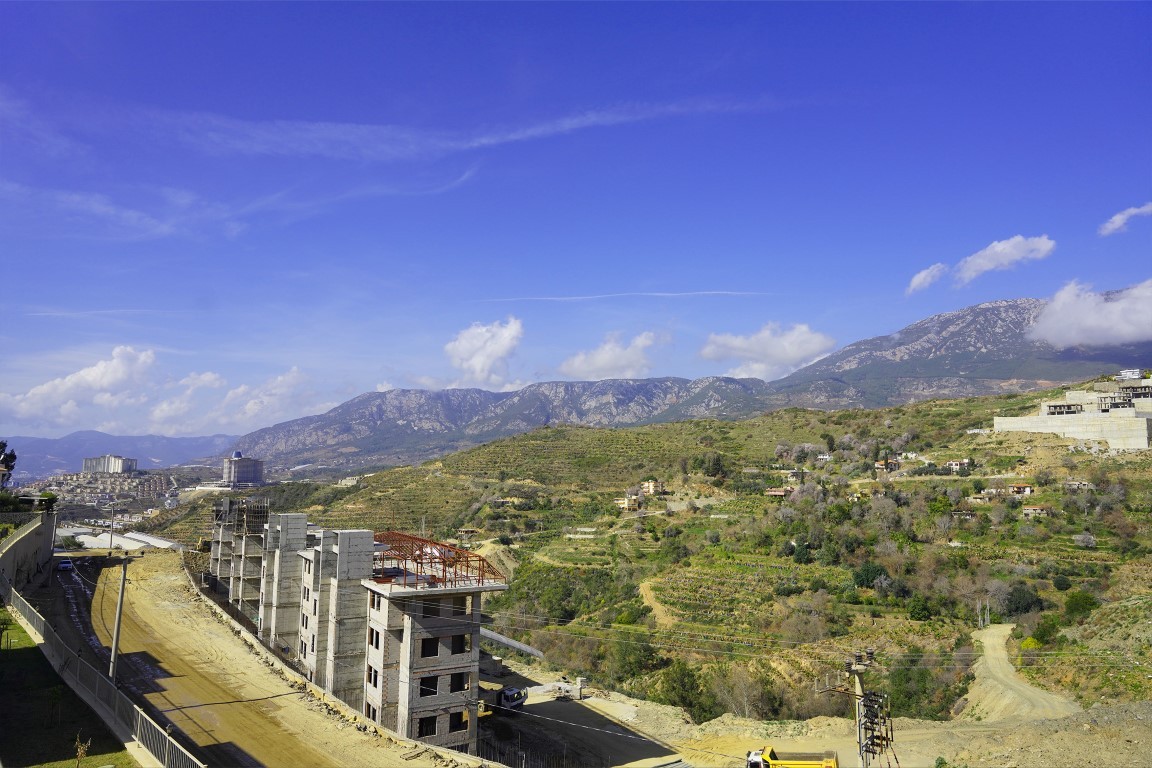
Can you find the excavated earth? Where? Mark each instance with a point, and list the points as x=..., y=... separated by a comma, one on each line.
x=193, y=667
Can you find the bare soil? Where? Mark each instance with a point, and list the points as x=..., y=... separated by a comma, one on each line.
x=194, y=669
x=192, y=666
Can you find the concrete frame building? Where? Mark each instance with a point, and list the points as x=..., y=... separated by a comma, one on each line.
x=423, y=664
x=236, y=561
x=108, y=463
x=279, y=618
x=334, y=613
x=388, y=623
x=1121, y=414
x=242, y=472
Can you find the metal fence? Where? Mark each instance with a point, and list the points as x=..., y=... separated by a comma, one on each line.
x=82, y=676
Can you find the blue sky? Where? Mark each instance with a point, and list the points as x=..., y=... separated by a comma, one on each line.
x=216, y=217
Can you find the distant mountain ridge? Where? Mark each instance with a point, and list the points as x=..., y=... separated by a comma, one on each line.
x=980, y=350
x=43, y=456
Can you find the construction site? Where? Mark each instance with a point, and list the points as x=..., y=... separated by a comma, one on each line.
x=387, y=623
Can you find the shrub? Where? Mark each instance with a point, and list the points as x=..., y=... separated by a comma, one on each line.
x=1078, y=604
x=918, y=608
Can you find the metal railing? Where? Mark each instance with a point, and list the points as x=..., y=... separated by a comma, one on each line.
x=83, y=677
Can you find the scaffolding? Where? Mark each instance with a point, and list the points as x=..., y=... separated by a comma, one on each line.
x=410, y=561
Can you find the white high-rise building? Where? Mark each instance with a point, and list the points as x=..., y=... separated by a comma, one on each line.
x=109, y=463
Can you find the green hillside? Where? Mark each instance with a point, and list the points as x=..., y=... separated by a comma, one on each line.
x=778, y=547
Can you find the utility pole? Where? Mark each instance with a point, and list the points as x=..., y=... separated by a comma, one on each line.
x=873, y=713
x=119, y=616
x=111, y=526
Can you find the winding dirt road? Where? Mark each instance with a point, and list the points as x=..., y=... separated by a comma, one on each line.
x=1001, y=693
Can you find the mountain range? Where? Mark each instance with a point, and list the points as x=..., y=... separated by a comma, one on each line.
x=980, y=350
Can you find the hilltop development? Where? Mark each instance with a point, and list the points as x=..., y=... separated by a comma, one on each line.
x=725, y=570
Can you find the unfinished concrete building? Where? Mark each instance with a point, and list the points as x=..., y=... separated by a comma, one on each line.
x=1119, y=413
x=388, y=623
x=334, y=612
x=279, y=621
x=236, y=563
x=422, y=670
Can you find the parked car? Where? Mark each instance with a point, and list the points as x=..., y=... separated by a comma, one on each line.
x=64, y=565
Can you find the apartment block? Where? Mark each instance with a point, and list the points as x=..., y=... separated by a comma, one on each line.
x=236, y=562
x=388, y=623
x=110, y=464
x=422, y=676
x=279, y=620
x=334, y=612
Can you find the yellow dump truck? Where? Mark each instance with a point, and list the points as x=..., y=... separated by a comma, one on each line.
x=766, y=757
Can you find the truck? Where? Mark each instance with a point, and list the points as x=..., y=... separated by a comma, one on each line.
x=767, y=757
x=504, y=701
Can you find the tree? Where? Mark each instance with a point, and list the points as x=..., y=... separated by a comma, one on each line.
x=1022, y=598
x=7, y=463
x=867, y=573
x=918, y=608
x=630, y=658
x=680, y=686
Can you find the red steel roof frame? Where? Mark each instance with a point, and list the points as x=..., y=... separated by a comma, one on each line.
x=428, y=561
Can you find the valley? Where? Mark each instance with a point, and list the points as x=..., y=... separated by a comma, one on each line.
x=777, y=546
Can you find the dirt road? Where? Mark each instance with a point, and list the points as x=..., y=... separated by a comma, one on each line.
x=192, y=666
x=214, y=688
x=1008, y=724
x=1001, y=693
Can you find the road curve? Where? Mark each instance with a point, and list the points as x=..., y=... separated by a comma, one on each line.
x=1001, y=693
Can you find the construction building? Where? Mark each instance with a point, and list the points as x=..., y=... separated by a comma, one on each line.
x=423, y=665
x=114, y=465
x=242, y=472
x=236, y=562
x=1119, y=413
x=386, y=622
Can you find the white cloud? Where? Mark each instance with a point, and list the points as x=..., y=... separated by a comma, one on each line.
x=103, y=386
x=1119, y=222
x=611, y=360
x=1078, y=316
x=1003, y=254
x=219, y=134
x=925, y=278
x=127, y=395
x=481, y=353
x=264, y=404
x=769, y=353
x=19, y=124
x=166, y=414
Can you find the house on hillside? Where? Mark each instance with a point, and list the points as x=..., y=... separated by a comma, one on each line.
x=652, y=487
x=630, y=502
x=1020, y=489
x=1032, y=513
